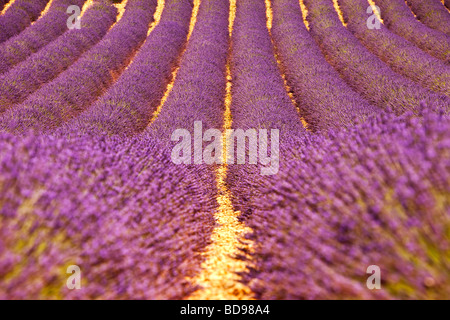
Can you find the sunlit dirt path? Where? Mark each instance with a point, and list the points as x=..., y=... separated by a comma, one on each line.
x=6, y=7
x=219, y=279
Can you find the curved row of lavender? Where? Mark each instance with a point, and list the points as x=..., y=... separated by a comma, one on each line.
x=45, y=65
x=398, y=17
x=259, y=98
x=432, y=13
x=361, y=69
x=375, y=194
x=85, y=80
x=19, y=16
x=198, y=92
x=38, y=35
x=324, y=99
x=128, y=105
x=133, y=221
x=401, y=55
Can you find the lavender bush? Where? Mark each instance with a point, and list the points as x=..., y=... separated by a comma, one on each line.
x=376, y=194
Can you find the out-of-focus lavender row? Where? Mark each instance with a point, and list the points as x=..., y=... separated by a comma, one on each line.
x=401, y=55
x=38, y=35
x=19, y=16
x=45, y=65
x=432, y=13
x=398, y=17
x=77, y=87
x=376, y=194
x=128, y=105
x=325, y=100
x=366, y=73
x=119, y=209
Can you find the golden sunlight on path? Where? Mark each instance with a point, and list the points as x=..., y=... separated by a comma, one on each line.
x=219, y=279
x=86, y=6
x=7, y=6
x=120, y=9
x=443, y=3
x=47, y=7
x=376, y=12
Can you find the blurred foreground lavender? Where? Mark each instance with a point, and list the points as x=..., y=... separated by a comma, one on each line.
x=377, y=194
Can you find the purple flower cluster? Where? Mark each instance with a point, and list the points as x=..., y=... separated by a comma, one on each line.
x=45, y=65
x=401, y=55
x=361, y=69
x=119, y=209
x=324, y=99
x=398, y=17
x=376, y=194
x=127, y=106
x=81, y=84
x=432, y=13
x=41, y=33
x=19, y=16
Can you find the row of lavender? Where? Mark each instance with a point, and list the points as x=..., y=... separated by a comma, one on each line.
x=399, y=18
x=374, y=194
x=259, y=97
x=432, y=13
x=324, y=99
x=19, y=16
x=130, y=218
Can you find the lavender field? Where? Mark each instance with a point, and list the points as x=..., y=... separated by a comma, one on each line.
x=120, y=120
